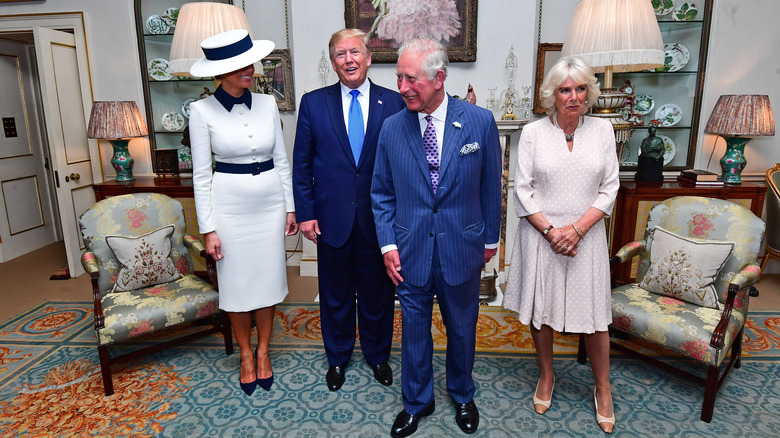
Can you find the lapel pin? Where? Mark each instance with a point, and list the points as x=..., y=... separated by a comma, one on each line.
x=379, y=102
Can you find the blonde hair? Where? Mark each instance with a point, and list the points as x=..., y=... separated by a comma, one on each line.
x=348, y=33
x=572, y=67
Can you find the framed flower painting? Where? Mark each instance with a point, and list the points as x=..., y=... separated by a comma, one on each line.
x=390, y=23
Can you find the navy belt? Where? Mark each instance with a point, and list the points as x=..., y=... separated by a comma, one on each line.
x=253, y=168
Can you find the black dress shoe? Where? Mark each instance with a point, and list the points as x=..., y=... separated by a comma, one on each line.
x=383, y=373
x=406, y=424
x=467, y=416
x=335, y=377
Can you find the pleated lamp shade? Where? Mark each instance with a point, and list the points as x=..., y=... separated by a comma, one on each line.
x=115, y=120
x=620, y=35
x=746, y=115
x=198, y=21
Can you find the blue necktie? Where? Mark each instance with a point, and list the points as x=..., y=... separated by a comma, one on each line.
x=355, y=128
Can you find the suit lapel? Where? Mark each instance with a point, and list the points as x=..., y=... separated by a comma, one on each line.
x=336, y=112
x=411, y=130
x=376, y=109
x=453, y=136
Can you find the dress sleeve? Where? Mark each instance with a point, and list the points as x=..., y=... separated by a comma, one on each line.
x=610, y=182
x=200, y=144
x=525, y=205
x=281, y=162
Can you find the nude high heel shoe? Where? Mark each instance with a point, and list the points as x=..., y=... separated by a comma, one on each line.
x=607, y=424
x=544, y=404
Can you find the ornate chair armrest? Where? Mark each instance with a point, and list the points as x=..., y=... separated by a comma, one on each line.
x=629, y=251
x=90, y=263
x=742, y=284
x=194, y=243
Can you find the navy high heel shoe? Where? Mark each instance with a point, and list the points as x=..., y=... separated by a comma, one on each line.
x=264, y=383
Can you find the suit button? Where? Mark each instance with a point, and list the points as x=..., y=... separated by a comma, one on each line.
x=357, y=175
x=435, y=210
x=353, y=202
x=430, y=235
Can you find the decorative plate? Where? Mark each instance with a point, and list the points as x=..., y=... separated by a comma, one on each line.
x=685, y=12
x=669, y=149
x=643, y=104
x=185, y=158
x=158, y=69
x=170, y=16
x=662, y=7
x=173, y=121
x=676, y=56
x=669, y=114
x=185, y=107
x=157, y=25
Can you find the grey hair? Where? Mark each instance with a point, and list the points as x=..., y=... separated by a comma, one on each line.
x=435, y=55
x=572, y=67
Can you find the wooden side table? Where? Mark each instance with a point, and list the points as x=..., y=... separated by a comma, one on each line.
x=636, y=199
x=177, y=188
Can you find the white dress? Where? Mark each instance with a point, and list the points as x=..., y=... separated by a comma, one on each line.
x=248, y=212
x=566, y=293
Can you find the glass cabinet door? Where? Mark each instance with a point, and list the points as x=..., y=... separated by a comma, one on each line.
x=671, y=95
x=167, y=97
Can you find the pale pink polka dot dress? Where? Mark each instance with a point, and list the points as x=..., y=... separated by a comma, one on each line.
x=566, y=293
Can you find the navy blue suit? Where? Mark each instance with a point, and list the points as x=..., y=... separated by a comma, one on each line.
x=330, y=187
x=440, y=237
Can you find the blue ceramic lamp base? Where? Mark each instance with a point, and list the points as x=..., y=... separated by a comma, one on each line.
x=121, y=160
x=733, y=160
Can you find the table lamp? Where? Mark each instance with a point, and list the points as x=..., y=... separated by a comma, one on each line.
x=615, y=36
x=198, y=21
x=738, y=118
x=117, y=122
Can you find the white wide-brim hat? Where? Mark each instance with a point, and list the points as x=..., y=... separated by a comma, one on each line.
x=229, y=51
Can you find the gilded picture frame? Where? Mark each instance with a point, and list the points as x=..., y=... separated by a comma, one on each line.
x=546, y=56
x=454, y=21
x=277, y=79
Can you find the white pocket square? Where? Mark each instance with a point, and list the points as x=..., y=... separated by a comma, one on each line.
x=469, y=148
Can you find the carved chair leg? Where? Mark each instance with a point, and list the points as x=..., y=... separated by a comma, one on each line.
x=710, y=391
x=105, y=369
x=227, y=332
x=736, y=348
x=582, y=354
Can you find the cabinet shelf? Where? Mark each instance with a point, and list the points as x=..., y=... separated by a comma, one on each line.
x=161, y=97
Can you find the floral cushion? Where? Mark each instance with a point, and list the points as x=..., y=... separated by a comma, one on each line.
x=711, y=219
x=131, y=216
x=145, y=259
x=685, y=267
x=673, y=324
x=154, y=308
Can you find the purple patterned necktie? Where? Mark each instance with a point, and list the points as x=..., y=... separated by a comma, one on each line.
x=431, y=152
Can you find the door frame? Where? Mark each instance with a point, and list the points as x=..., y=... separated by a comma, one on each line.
x=71, y=22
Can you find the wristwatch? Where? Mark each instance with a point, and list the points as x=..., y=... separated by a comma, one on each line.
x=547, y=230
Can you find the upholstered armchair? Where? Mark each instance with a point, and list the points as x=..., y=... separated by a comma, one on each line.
x=772, y=248
x=697, y=265
x=138, y=258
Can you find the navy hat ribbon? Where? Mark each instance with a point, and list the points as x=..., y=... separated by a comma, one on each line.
x=229, y=51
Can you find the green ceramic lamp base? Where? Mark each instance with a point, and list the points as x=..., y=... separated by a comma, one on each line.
x=121, y=160
x=733, y=160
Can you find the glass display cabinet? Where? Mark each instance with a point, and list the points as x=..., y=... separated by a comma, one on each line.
x=672, y=94
x=166, y=97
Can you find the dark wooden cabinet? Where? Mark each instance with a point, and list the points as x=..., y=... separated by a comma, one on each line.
x=636, y=199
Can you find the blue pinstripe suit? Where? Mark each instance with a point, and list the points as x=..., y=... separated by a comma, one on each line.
x=441, y=238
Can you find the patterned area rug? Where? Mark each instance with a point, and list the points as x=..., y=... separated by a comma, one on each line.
x=50, y=385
